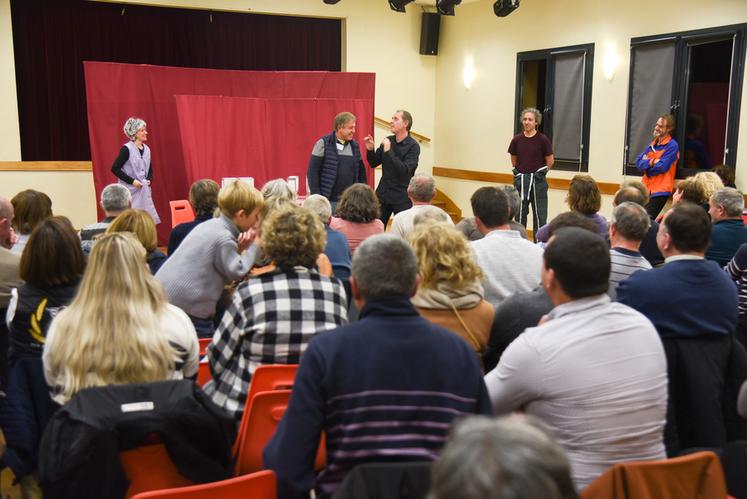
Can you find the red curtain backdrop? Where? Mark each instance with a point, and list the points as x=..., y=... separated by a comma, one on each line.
x=116, y=91
x=260, y=138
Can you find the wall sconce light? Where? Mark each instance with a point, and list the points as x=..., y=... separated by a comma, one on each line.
x=610, y=61
x=468, y=74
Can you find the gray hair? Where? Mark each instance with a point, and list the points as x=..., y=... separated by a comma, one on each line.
x=384, y=266
x=115, y=197
x=514, y=200
x=430, y=214
x=536, y=112
x=132, y=125
x=319, y=205
x=730, y=199
x=422, y=188
x=276, y=189
x=631, y=220
x=507, y=458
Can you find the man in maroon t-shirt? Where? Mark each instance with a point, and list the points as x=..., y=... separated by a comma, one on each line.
x=531, y=157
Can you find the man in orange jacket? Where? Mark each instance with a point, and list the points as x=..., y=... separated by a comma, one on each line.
x=658, y=164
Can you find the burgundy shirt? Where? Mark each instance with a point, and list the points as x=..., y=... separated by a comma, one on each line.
x=531, y=151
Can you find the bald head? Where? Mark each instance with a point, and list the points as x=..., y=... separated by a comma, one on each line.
x=6, y=219
x=6, y=208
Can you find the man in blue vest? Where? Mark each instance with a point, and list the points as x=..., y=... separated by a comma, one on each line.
x=336, y=161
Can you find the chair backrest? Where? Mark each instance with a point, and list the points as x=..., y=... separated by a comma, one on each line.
x=263, y=415
x=204, y=342
x=260, y=485
x=181, y=211
x=693, y=475
x=149, y=467
x=265, y=378
x=203, y=372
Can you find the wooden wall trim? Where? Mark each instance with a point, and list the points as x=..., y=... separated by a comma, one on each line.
x=507, y=178
x=415, y=135
x=45, y=166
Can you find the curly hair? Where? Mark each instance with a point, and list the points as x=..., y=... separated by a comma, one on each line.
x=710, y=182
x=584, y=195
x=359, y=204
x=444, y=256
x=294, y=236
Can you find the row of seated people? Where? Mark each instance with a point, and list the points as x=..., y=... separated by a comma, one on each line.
x=392, y=363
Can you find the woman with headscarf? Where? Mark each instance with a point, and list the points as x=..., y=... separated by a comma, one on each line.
x=133, y=166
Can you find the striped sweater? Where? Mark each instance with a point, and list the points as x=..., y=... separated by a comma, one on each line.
x=385, y=388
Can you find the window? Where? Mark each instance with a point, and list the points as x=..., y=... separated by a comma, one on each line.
x=558, y=83
x=697, y=77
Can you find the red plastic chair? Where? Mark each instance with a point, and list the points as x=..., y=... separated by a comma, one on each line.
x=260, y=485
x=265, y=378
x=149, y=467
x=263, y=415
x=203, y=372
x=204, y=342
x=181, y=211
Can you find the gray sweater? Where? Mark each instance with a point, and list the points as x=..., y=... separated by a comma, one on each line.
x=207, y=260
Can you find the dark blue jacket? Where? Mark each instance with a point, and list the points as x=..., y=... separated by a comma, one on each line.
x=384, y=388
x=683, y=298
x=726, y=238
x=322, y=172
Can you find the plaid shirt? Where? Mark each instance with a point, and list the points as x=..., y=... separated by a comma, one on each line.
x=270, y=320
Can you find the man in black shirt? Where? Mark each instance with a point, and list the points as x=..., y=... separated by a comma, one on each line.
x=531, y=158
x=398, y=156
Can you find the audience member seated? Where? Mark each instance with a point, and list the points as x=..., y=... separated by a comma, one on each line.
x=52, y=265
x=467, y=225
x=726, y=174
x=337, y=248
x=693, y=305
x=728, y=232
x=276, y=193
x=501, y=458
x=141, y=224
x=710, y=182
x=585, y=198
x=628, y=227
x=357, y=215
x=421, y=191
x=737, y=270
x=636, y=192
x=214, y=254
x=30, y=207
x=523, y=310
x=385, y=388
x=203, y=197
x=510, y=263
x=115, y=198
x=689, y=190
x=450, y=293
x=273, y=316
x=593, y=370
x=10, y=278
x=119, y=329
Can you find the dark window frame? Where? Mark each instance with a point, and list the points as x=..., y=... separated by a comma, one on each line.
x=738, y=32
x=547, y=112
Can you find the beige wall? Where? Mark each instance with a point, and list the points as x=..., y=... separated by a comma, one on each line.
x=479, y=122
x=10, y=139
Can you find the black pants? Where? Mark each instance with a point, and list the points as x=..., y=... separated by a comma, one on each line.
x=537, y=198
x=387, y=209
x=654, y=205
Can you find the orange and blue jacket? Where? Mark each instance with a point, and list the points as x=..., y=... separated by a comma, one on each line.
x=658, y=164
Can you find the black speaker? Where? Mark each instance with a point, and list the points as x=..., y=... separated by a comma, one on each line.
x=429, y=33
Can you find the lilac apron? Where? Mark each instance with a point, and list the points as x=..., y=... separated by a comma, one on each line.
x=137, y=168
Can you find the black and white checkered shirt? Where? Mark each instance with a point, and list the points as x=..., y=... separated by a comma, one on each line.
x=270, y=320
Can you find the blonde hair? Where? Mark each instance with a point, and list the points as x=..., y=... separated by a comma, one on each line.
x=443, y=256
x=710, y=183
x=110, y=332
x=239, y=195
x=140, y=223
x=296, y=236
